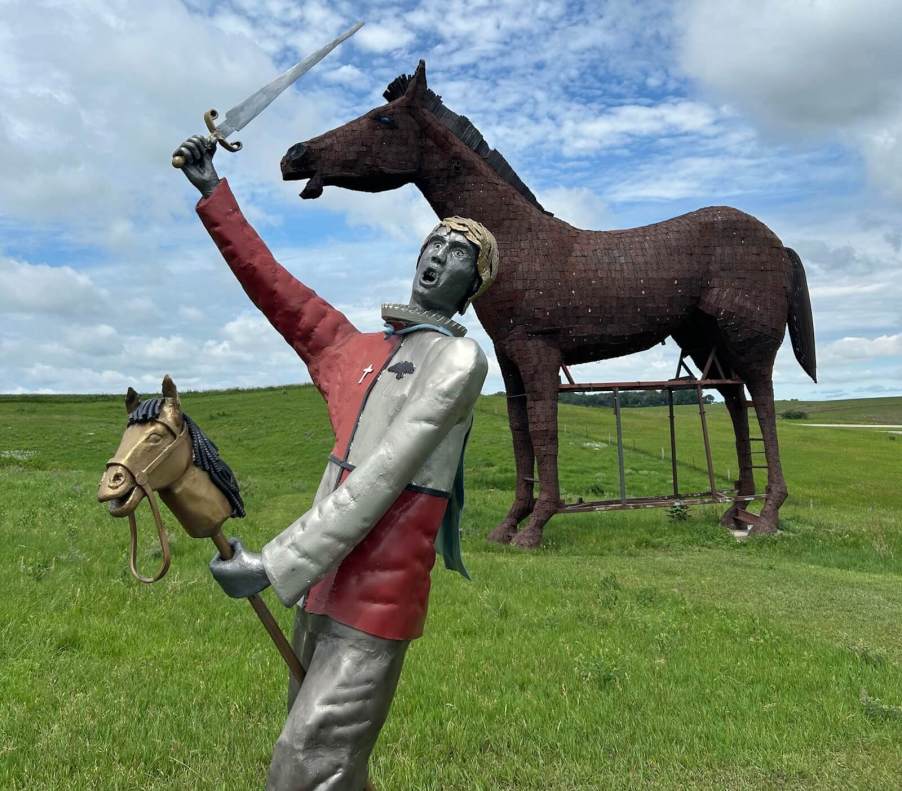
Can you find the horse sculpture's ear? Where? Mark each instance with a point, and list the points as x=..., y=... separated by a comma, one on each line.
x=170, y=390
x=416, y=88
x=131, y=400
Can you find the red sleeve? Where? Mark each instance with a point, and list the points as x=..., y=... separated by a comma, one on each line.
x=310, y=324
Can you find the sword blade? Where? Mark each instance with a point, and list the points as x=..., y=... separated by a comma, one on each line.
x=242, y=114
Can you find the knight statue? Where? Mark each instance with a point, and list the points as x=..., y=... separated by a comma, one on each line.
x=356, y=565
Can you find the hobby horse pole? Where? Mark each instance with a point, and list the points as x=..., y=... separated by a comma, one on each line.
x=265, y=616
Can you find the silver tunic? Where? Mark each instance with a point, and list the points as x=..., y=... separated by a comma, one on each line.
x=411, y=431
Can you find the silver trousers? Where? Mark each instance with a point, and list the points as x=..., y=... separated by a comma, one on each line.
x=334, y=718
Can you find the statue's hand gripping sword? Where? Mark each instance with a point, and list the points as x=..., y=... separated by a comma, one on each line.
x=245, y=112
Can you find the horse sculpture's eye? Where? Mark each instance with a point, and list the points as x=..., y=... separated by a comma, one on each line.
x=386, y=120
x=154, y=438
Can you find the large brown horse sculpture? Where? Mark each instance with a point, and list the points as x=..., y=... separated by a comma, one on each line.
x=713, y=279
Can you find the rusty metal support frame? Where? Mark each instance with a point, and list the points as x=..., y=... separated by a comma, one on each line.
x=684, y=379
x=620, y=446
x=673, y=448
x=704, y=422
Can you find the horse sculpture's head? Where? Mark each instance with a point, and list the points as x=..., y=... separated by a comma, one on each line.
x=155, y=450
x=379, y=151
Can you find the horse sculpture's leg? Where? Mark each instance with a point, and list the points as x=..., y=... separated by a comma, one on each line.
x=539, y=360
x=734, y=398
x=762, y=391
x=524, y=457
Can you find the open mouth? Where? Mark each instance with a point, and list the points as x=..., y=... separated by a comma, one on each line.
x=123, y=504
x=429, y=276
x=314, y=187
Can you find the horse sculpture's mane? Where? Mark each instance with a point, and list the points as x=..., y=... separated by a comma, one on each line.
x=206, y=454
x=464, y=130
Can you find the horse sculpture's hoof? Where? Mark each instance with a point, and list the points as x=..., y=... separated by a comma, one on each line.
x=764, y=527
x=528, y=538
x=730, y=520
x=503, y=533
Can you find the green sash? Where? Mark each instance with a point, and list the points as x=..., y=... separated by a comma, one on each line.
x=447, y=542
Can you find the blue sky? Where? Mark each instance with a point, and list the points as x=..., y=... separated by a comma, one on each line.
x=616, y=114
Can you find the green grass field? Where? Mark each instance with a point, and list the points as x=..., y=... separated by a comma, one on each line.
x=858, y=410
x=631, y=652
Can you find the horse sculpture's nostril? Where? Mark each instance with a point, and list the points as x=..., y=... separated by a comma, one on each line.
x=295, y=152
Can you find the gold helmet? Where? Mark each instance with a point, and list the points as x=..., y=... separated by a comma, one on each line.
x=487, y=262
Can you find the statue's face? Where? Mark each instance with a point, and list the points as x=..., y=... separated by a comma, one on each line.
x=446, y=272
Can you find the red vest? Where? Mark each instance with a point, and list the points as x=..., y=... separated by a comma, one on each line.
x=382, y=586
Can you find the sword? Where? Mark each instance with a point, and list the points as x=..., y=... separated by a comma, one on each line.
x=245, y=112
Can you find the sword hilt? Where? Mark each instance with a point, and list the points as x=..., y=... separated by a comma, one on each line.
x=178, y=161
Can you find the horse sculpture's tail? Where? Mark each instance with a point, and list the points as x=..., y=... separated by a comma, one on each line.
x=801, y=323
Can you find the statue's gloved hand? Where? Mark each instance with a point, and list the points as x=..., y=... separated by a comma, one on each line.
x=198, y=168
x=241, y=575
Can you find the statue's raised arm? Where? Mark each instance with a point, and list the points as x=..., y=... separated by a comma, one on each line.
x=312, y=326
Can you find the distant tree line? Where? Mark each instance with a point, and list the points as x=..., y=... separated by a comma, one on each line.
x=634, y=398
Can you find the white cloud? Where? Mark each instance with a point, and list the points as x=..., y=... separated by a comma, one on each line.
x=825, y=67
x=375, y=37
x=95, y=339
x=122, y=89
x=621, y=125
x=190, y=313
x=251, y=337
x=347, y=75
x=858, y=348
x=167, y=349
x=693, y=176
x=847, y=290
x=80, y=379
x=882, y=148
x=579, y=206
x=276, y=24
x=402, y=214
x=46, y=290
x=816, y=64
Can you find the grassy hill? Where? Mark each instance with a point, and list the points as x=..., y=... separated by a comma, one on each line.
x=854, y=410
x=632, y=651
